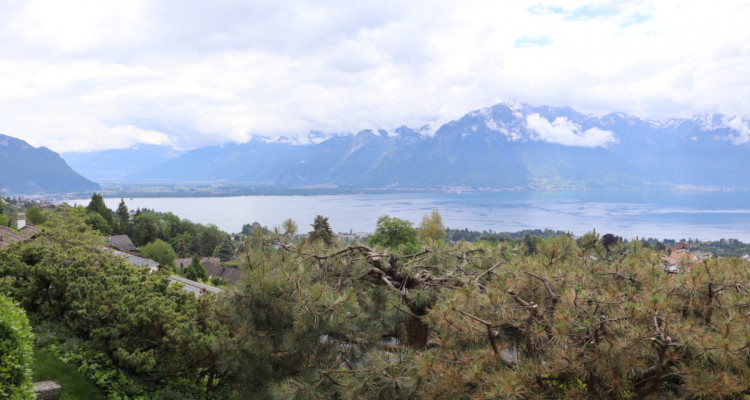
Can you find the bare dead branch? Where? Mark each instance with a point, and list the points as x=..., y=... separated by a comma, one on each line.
x=488, y=271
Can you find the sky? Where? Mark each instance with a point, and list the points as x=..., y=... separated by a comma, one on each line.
x=78, y=75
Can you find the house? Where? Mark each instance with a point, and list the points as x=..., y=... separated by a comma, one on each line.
x=22, y=232
x=121, y=245
x=703, y=254
x=679, y=246
x=680, y=257
x=213, y=269
x=183, y=263
x=197, y=288
x=121, y=242
x=138, y=260
x=229, y=275
x=678, y=261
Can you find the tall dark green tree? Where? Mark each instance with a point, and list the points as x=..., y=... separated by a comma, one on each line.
x=97, y=205
x=207, y=239
x=196, y=270
x=225, y=250
x=145, y=230
x=322, y=231
x=123, y=218
x=532, y=244
x=181, y=244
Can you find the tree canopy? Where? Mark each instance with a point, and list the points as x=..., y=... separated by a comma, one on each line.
x=394, y=233
x=432, y=228
x=159, y=251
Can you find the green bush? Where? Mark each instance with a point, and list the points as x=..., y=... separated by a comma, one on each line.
x=16, y=354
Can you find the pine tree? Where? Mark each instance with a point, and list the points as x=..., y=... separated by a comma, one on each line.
x=226, y=250
x=196, y=270
x=321, y=231
x=123, y=216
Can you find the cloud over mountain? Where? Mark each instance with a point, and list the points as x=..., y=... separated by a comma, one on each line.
x=742, y=128
x=565, y=132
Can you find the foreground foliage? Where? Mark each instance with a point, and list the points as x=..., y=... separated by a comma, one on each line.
x=16, y=352
x=400, y=318
x=143, y=325
x=74, y=384
x=569, y=320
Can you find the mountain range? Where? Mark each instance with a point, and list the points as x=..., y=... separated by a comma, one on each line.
x=509, y=145
x=506, y=146
x=27, y=169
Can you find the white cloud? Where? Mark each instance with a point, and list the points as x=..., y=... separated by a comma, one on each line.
x=203, y=72
x=511, y=135
x=741, y=127
x=565, y=132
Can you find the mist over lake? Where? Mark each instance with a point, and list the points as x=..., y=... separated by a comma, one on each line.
x=670, y=214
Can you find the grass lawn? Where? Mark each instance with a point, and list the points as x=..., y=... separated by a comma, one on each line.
x=75, y=385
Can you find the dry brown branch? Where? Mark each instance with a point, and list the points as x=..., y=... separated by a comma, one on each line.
x=549, y=312
x=490, y=336
x=533, y=314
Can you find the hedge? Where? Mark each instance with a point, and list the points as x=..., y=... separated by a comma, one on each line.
x=16, y=352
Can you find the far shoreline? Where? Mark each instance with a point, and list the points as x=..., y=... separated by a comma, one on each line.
x=237, y=189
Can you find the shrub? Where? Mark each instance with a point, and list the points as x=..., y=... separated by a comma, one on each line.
x=16, y=352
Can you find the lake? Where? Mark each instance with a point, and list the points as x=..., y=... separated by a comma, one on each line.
x=701, y=215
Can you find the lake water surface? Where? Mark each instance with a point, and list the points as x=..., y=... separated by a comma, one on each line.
x=673, y=214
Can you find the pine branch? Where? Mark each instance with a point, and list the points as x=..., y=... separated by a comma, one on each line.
x=490, y=336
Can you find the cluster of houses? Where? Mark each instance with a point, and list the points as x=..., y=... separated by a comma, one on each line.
x=352, y=236
x=122, y=246
x=679, y=258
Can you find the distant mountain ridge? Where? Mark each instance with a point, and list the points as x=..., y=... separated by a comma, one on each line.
x=509, y=145
x=25, y=169
x=115, y=164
